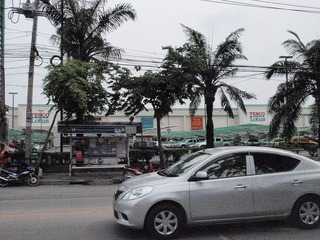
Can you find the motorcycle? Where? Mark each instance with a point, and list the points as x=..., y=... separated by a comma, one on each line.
x=130, y=172
x=24, y=174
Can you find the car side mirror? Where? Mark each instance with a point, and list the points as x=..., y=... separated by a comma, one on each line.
x=200, y=175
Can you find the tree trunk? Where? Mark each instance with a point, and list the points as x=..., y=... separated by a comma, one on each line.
x=161, y=155
x=47, y=139
x=210, y=126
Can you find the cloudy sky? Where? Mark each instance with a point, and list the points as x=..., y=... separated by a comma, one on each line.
x=158, y=24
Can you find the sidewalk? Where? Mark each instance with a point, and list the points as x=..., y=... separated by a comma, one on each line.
x=106, y=178
x=96, y=178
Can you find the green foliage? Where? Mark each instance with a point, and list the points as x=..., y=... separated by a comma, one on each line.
x=303, y=82
x=138, y=154
x=175, y=153
x=131, y=95
x=203, y=70
x=76, y=87
x=82, y=26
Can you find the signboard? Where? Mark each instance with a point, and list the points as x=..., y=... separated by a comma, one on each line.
x=99, y=127
x=196, y=123
x=101, y=147
x=147, y=122
x=41, y=117
x=257, y=117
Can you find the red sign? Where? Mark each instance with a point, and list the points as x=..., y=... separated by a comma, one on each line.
x=196, y=123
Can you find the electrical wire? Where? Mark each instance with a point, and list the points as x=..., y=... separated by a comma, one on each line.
x=302, y=9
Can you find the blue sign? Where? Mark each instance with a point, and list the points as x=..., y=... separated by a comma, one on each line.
x=147, y=122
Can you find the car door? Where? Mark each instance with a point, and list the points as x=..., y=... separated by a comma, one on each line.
x=226, y=194
x=277, y=184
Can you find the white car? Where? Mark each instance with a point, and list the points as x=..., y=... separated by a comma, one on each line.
x=222, y=185
x=218, y=142
x=186, y=143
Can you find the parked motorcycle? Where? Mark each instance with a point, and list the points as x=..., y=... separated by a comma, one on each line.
x=24, y=174
x=130, y=172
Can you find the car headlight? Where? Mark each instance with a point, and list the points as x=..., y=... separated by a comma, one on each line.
x=137, y=193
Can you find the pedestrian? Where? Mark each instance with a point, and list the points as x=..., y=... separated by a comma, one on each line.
x=5, y=159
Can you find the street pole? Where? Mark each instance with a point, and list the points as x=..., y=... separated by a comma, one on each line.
x=30, y=85
x=41, y=111
x=61, y=56
x=12, y=109
x=3, y=124
x=286, y=65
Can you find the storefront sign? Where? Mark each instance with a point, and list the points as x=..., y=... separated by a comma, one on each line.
x=40, y=117
x=257, y=116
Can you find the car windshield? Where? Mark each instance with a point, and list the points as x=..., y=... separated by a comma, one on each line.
x=184, y=165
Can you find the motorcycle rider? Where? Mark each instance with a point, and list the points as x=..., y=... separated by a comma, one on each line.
x=5, y=159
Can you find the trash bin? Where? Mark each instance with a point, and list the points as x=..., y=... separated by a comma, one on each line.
x=34, y=157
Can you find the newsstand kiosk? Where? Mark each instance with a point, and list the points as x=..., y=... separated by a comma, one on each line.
x=100, y=145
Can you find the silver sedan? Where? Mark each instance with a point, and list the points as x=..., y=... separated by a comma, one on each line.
x=222, y=185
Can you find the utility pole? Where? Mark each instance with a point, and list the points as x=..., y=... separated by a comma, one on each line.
x=286, y=64
x=30, y=85
x=12, y=108
x=3, y=124
x=41, y=117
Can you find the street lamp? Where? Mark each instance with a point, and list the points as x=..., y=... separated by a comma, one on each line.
x=286, y=64
x=12, y=93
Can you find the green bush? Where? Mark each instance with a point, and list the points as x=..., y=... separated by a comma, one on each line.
x=176, y=153
x=138, y=154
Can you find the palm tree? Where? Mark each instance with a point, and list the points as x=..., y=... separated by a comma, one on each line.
x=304, y=82
x=81, y=25
x=204, y=71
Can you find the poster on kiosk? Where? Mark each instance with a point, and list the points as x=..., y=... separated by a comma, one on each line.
x=99, y=142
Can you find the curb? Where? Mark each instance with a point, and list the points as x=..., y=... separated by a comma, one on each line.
x=64, y=179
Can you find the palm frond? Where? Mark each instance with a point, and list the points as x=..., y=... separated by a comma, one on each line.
x=195, y=37
x=225, y=104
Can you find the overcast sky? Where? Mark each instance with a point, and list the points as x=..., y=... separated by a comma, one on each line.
x=158, y=24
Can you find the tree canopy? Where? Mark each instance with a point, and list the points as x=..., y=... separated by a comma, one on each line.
x=156, y=89
x=205, y=72
x=81, y=27
x=77, y=88
x=303, y=82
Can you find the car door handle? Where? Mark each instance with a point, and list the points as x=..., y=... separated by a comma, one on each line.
x=296, y=182
x=240, y=186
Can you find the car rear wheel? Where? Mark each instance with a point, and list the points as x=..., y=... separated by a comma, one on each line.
x=306, y=213
x=165, y=221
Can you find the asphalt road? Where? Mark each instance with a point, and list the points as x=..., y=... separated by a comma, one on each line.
x=84, y=212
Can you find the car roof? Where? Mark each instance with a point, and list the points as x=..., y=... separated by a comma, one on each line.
x=256, y=149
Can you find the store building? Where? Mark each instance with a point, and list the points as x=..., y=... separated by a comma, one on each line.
x=178, y=120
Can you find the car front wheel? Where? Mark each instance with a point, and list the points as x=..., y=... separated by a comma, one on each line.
x=165, y=221
x=306, y=213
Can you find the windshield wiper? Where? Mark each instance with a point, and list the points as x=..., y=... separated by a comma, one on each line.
x=162, y=173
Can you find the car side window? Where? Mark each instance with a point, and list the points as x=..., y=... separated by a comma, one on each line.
x=272, y=163
x=226, y=167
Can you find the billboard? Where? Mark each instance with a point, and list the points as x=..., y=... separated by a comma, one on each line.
x=147, y=122
x=196, y=123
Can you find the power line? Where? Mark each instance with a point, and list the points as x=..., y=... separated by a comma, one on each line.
x=302, y=9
